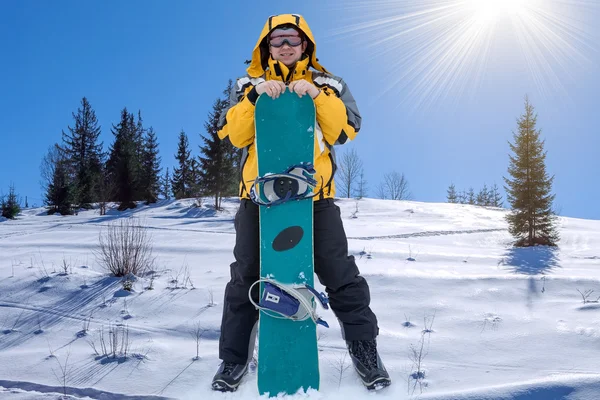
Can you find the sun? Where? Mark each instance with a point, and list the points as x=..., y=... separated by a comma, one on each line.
x=446, y=49
x=491, y=11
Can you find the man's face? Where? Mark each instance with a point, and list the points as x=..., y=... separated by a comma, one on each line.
x=286, y=45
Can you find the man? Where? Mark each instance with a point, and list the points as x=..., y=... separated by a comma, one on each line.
x=282, y=60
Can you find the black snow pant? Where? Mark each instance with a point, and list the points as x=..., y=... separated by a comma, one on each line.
x=348, y=292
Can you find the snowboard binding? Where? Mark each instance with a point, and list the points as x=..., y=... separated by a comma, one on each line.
x=295, y=183
x=290, y=302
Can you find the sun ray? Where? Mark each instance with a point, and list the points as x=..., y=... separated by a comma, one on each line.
x=437, y=49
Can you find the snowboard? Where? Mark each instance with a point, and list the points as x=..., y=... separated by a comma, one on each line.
x=287, y=349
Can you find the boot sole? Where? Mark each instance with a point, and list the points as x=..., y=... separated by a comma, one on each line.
x=222, y=386
x=378, y=384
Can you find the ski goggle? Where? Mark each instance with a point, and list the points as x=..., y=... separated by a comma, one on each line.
x=281, y=36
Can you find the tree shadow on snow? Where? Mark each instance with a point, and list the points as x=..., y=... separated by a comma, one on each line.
x=549, y=393
x=537, y=260
x=554, y=392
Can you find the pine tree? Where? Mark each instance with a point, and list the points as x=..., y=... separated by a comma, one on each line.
x=141, y=177
x=451, y=195
x=495, y=197
x=196, y=179
x=532, y=220
x=10, y=205
x=105, y=190
x=483, y=197
x=182, y=175
x=122, y=163
x=149, y=177
x=83, y=155
x=165, y=190
x=470, y=196
x=60, y=193
x=218, y=163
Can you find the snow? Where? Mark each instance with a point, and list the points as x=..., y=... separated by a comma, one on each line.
x=497, y=322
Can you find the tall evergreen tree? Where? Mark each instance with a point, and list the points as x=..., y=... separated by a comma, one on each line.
x=149, y=176
x=83, y=155
x=139, y=140
x=196, y=179
x=61, y=192
x=219, y=161
x=122, y=163
x=181, y=184
x=105, y=190
x=234, y=154
x=451, y=195
x=532, y=220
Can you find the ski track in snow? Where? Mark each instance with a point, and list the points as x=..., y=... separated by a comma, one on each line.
x=394, y=236
x=426, y=234
x=86, y=393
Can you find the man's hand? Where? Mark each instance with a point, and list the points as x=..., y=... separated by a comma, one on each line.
x=302, y=87
x=273, y=89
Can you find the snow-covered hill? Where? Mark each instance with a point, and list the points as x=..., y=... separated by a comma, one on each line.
x=497, y=322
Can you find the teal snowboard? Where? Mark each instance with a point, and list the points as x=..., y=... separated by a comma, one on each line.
x=287, y=349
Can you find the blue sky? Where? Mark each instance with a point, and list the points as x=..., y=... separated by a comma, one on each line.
x=172, y=59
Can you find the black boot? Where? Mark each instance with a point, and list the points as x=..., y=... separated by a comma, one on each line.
x=228, y=377
x=368, y=364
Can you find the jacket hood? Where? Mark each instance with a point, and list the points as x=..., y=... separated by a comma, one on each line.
x=261, y=55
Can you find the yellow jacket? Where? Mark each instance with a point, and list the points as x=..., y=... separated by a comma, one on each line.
x=337, y=115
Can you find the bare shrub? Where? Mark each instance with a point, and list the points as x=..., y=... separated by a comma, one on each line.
x=365, y=253
x=112, y=344
x=353, y=214
x=197, y=331
x=127, y=282
x=86, y=326
x=410, y=255
x=182, y=279
x=492, y=321
x=407, y=323
x=586, y=296
x=153, y=275
x=64, y=372
x=66, y=266
x=417, y=354
x=340, y=366
x=211, y=298
x=125, y=247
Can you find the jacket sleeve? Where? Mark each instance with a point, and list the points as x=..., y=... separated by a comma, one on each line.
x=337, y=112
x=237, y=121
